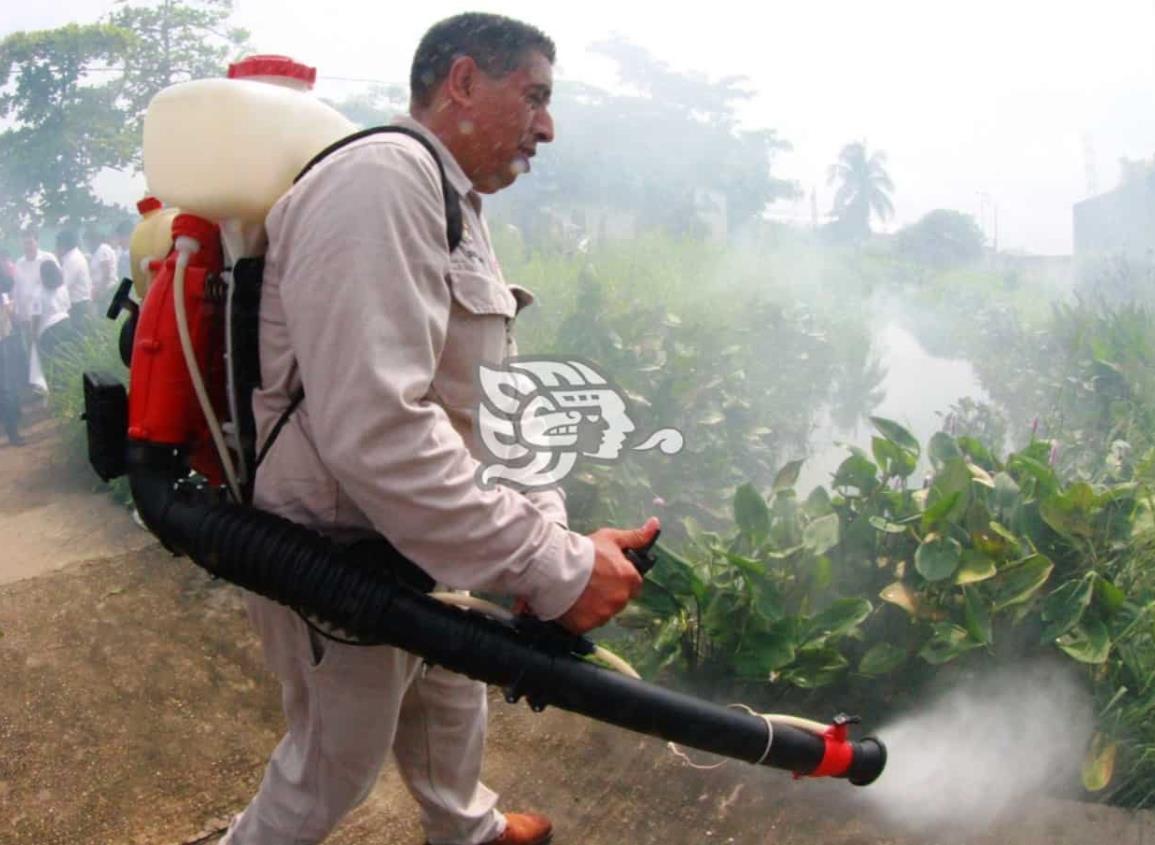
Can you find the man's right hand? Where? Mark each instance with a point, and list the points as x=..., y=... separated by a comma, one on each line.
x=614, y=580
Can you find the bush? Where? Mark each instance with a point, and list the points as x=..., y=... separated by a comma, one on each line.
x=870, y=589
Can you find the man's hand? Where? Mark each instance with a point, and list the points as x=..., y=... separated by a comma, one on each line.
x=614, y=580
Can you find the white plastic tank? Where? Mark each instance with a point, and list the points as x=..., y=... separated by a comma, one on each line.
x=151, y=241
x=227, y=149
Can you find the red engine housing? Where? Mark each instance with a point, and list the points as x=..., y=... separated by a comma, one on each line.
x=162, y=405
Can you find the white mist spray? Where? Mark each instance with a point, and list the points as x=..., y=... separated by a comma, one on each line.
x=977, y=754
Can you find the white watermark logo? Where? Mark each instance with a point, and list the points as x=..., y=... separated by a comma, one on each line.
x=539, y=415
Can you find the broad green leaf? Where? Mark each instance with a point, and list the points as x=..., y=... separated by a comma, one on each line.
x=1087, y=642
x=974, y=567
x=747, y=566
x=1006, y=494
x=676, y=574
x=1005, y=533
x=657, y=600
x=1110, y=597
x=898, y=435
x=893, y=459
x=817, y=503
x=823, y=573
x=978, y=617
x=886, y=526
x=840, y=617
x=1065, y=606
x=1099, y=764
x=946, y=643
x=751, y=513
x=940, y=509
x=981, y=476
x=900, y=595
x=976, y=451
x=787, y=476
x=822, y=534
x=881, y=658
x=722, y=615
x=816, y=668
x=768, y=601
x=942, y=448
x=937, y=557
x=857, y=471
x=1069, y=512
x=1018, y=583
x=1044, y=476
x=765, y=652
x=954, y=477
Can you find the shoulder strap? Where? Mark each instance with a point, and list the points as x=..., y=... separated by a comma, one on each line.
x=453, y=222
x=454, y=227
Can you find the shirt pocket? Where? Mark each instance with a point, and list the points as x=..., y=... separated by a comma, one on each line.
x=482, y=294
x=478, y=333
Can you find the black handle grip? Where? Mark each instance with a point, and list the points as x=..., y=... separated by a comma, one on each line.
x=642, y=559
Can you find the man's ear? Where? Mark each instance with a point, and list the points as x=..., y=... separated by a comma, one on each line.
x=461, y=83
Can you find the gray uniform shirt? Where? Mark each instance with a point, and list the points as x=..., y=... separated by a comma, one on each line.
x=364, y=306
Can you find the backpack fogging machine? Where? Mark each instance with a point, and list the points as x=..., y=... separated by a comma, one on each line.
x=183, y=435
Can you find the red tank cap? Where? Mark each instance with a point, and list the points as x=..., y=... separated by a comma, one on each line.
x=149, y=204
x=190, y=226
x=272, y=65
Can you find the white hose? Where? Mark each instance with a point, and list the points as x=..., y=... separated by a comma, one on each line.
x=185, y=246
x=496, y=611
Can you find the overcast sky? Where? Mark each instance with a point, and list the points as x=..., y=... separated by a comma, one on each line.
x=1017, y=100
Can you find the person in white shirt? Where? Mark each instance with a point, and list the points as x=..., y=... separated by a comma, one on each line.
x=101, y=266
x=13, y=360
x=74, y=266
x=123, y=252
x=26, y=284
x=53, y=325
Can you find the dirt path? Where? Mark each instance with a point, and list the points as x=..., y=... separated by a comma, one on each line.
x=135, y=711
x=49, y=515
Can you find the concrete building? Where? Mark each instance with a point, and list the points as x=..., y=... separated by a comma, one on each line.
x=1118, y=224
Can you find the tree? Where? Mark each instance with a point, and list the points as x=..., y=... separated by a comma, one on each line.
x=941, y=238
x=864, y=189
x=63, y=130
x=172, y=41
x=74, y=98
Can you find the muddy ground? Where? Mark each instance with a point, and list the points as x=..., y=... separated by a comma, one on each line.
x=134, y=709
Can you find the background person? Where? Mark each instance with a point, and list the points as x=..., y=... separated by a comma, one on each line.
x=13, y=361
x=53, y=308
x=74, y=266
x=101, y=265
x=384, y=440
x=27, y=285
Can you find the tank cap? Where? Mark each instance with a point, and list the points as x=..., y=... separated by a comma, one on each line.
x=149, y=204
x=190, y=226
x=272, y=65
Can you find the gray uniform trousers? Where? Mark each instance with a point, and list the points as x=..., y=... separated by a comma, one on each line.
x=347, y=707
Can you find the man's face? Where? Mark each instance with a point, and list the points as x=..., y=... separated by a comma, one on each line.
x=31, y=247
x=508, y=117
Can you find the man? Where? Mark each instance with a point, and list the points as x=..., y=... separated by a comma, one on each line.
x=13, y=361
x=102, y=265
x=26, y=284
x=364, y=306
x=123, y=252
x=74, y=266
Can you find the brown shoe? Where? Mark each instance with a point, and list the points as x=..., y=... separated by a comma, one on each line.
x=525, y=829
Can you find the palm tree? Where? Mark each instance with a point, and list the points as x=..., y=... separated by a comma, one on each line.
x=864, y=188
